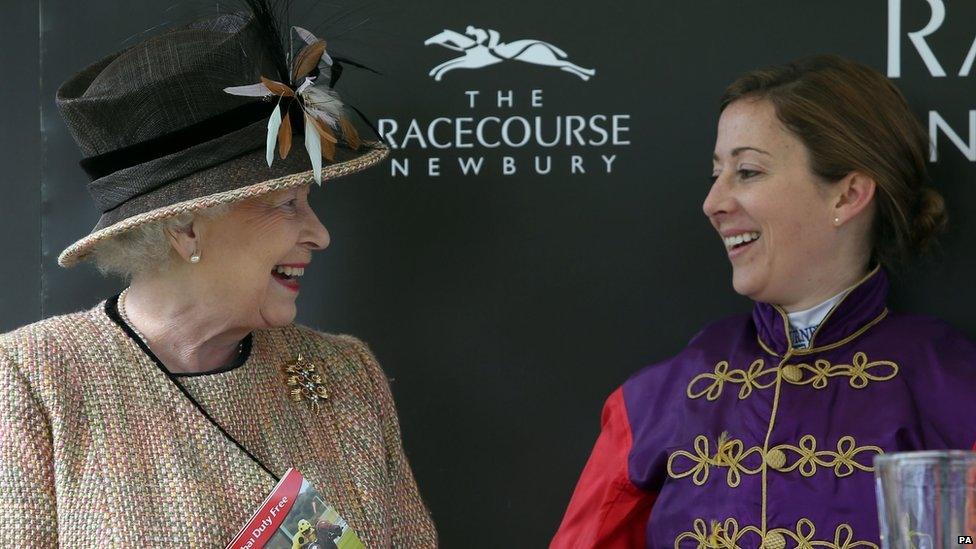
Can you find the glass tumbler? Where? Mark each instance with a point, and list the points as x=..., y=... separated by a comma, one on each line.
x=926, y=500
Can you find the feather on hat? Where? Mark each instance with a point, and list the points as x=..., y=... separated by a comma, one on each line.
x=205, y=107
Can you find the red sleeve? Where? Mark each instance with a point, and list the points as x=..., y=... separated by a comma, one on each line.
x=607, y=510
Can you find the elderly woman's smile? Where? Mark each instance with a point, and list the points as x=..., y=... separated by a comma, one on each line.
x=253, y=256
x=288, y=274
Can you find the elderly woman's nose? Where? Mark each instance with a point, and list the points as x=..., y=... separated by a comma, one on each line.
x=316, y=235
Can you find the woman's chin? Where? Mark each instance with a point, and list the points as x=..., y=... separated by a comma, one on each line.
x=279, y=312
x=278, y=318
x=745, y=284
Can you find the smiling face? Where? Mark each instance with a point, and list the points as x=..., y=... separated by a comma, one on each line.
x=775, y=216
x=252, y=256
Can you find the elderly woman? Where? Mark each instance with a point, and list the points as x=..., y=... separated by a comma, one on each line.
x=762, y=432
x=163, y=417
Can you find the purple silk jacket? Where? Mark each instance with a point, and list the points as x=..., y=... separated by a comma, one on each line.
x=743, y=441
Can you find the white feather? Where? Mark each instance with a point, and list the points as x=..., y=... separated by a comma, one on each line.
x=313, y=145
x=309, y=81
x=324, y=103
x=251, y=90
x=323, y=116
x=305, y=35
x=310, y=38
x=273, y=124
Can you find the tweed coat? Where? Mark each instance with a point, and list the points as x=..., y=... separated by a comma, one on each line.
x=100, y=448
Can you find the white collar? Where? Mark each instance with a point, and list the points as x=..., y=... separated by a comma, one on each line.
x=804, y=323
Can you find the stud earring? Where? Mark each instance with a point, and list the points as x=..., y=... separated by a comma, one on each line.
x=195, y=257
x=836, y=221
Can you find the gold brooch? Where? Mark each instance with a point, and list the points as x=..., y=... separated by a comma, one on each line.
x=305, y=381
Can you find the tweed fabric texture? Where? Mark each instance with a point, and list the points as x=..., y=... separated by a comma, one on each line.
x=98, y=448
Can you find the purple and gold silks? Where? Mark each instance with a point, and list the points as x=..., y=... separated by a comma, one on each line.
x=744, y=441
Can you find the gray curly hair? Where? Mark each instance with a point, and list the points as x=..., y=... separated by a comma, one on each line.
x=145, y=249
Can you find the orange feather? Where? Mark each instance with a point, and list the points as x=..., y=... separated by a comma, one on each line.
x=350, y=134
x=284, y=136
x=306, y=60
x=277, y=88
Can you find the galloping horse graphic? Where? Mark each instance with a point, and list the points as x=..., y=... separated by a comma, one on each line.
x=482, y=48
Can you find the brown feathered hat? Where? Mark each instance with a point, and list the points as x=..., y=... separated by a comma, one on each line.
x=196, y=117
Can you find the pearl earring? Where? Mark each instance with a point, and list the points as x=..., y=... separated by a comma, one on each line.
x=836, y=221
x=195, y=257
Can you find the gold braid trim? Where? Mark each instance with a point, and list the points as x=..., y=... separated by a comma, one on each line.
x=724, y=535
x=804, y=531
x=732, y=453
x=749, y=378
x=860, y=371
x=842, y=461
x=727, y=534
x=857, y=371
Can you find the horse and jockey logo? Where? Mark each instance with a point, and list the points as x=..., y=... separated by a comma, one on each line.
x=481, y=48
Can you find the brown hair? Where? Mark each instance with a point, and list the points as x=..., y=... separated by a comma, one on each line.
x=850, y=117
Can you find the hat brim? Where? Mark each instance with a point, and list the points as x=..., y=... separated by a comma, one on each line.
x=225, y=179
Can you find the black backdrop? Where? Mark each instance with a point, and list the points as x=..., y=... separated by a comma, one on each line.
x=506, y=307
